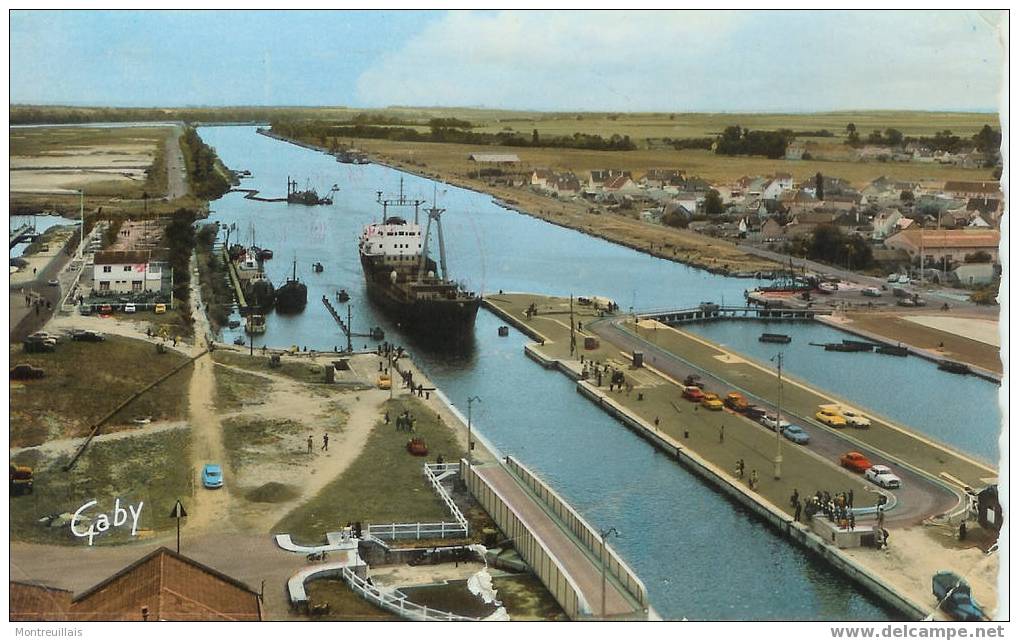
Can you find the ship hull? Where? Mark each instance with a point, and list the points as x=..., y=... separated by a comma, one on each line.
x=292, y=297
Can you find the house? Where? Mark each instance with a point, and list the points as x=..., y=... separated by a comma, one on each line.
x=989, y=206
x=690, y=201
x=565, y=185
x=500, y=160
x=161, y=586
x=661, y=177
x=973, y=274
x=600, y=176
x=35, y=602
x=126, y=271
x=978, y=222
x=946, y=244
x=884, y=223
x=966, y=189
x=795, y=150
x=775, y=186
x=167, y=586
x=772, y=230
x=619, y=184
x=540, y=178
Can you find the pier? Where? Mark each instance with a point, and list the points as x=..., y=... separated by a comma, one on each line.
x=937, y=480
x=711, y=311
x=25, y=232
x=235, y=280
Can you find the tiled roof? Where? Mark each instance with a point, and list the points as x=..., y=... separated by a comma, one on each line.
x=973, y=186
x=953, y=238
x=33, y=602
x=173, y=588
x=133, y=257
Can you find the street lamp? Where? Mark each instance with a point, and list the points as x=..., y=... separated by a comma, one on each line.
x=470, y=443
x=778, y=420
x=613, y=531
x=81, y=233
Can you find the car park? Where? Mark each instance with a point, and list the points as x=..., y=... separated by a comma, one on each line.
x=882, y=476
x=212, y=476
x=712, y=402
x=772, y=422
x=830, y=417
x=796, y=434
x=855, y=461
x=693, y=393
x=855, y=419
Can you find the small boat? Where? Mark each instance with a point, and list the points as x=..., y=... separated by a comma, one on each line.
x=239, y=341
x=893, y=350
x=775, y=338
x=318, y=268
x=265, y=254
x=255, y=324
x=503, y=330
x=954, y=367
x=342, y=296
x=860, y=345
x=234, y=324
x=847, y=347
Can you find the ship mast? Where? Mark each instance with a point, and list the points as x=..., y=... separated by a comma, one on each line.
x=434, y=213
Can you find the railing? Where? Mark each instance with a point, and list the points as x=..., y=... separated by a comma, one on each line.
x=583, y=531
x=430, y=474
x=397, y=602
x=394, y=531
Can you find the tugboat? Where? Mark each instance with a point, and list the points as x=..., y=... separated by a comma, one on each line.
x=292, y=296
x=401, y=276
x=318, y=268
x=259, y=292
x=342, y=296
x=309, y=196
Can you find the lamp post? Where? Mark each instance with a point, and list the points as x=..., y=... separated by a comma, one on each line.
x=613, y=531
x=778, y=421
x=470, y=442
x=81, y=233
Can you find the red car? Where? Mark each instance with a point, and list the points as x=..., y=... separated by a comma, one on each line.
x=693, y=393
x=855, y=461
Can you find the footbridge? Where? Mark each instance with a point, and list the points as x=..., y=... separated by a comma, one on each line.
x=586, y=577
x=711, y=311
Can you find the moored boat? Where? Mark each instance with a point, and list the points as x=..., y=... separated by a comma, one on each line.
x=292, y=296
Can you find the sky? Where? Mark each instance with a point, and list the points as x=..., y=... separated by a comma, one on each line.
x=683, y=61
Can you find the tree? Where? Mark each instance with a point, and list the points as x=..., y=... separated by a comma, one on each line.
x=851, y=129
x=819, y=186
x=978, y=257
x=713, y=203
x=988, y=140
x=893, y=137
x=906, y=197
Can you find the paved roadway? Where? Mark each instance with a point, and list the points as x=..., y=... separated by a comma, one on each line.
x=578, y=561
x=919, y=497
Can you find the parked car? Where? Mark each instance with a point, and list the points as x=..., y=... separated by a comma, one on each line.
x=693, y=393
x=129, y=308
x=712, y=402
x=693, y=380
x=904, y=280
x=384, y=382
x=906, y=302
x=755, y=412
x=796, y=434
x=855, y=419
x=212, y=476
x=871, y=291
x=830, y=417
x=736, y=402
x=53, y=282
x=771, y=422
x=105, y=309
x=954, y=597
x=85, y=310
x=88, y=336
x=882, y=475
x=893, y=278
x=855, y=461
x=160, y=308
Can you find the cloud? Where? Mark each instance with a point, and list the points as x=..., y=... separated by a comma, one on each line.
x=686, y=61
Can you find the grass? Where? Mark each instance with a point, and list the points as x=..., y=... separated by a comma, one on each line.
x=344, y=603
x=302, y=372
x=526, y=598
x=384, y=484
x=151, y=468
x=58, y=234
x=236, y=390
x=249, y=439
x=451, y=596
x=84, y=381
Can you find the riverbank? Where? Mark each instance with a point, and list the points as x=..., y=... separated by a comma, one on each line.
x=654, y=410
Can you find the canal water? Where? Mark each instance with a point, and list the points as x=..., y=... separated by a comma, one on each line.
x=701, y=556
x=42, y=222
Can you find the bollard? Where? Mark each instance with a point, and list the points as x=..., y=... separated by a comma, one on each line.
x=686, y=434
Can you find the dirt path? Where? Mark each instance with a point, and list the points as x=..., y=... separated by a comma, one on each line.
x=176, y=176
x=55, y=448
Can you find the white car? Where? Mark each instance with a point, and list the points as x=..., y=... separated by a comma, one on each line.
x=903, y=280
x=881, y=475
x=771, y=422
x=130, y=308
x=855, y=419
x=893, y=278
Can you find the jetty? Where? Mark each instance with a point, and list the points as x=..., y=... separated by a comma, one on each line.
x=938, y=482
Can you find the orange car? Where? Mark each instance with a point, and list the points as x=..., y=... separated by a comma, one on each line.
x=855, y=461
x=736, y=402
x=712, y=402
x=693, y=393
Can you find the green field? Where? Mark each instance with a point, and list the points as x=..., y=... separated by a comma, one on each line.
x=84, y=381
x=384, y=485
x=135, y=468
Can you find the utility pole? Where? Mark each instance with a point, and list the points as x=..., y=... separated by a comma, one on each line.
x=81, y=238
x=350, y=329
x=573, y=335
x=778, y=421
x=470, y=441
x=602, y=536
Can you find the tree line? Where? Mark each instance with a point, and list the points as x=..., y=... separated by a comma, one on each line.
x=207, y=181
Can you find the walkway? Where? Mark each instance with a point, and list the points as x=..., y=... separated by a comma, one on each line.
x=572, y=557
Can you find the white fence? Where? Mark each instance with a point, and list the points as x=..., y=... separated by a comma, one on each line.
x=397, y=602
x=441, y=530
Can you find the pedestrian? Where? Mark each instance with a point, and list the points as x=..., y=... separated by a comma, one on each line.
x=311, y=444
x=387, y=417
x=799, y=508
x=325, y=441
x=721, y=434
x=795, y=498
x=850, y=498
x=656, y=421
x=753, y=480
x=852, y=521
x=881, y=517
x=962, y=531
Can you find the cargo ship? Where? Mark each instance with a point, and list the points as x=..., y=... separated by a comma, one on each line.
x=403, y=279
x=292, y=296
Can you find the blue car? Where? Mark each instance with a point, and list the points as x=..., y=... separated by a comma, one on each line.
x=212, y=475
x=795, y=434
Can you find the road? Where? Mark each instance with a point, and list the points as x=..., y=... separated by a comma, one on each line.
x=918, y=498
x=176, y=173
